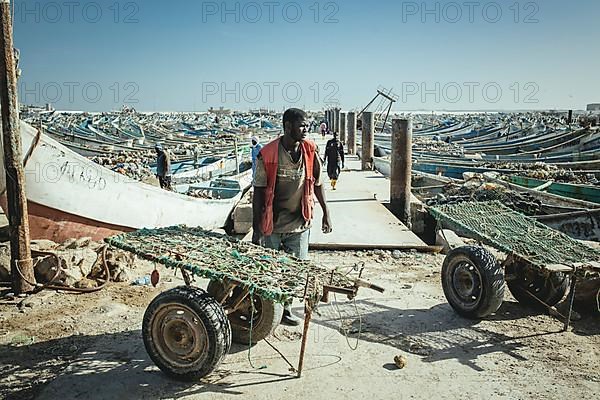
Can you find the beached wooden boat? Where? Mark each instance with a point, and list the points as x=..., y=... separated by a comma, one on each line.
x=457, y=167
x=70, y=196
x=582, y=192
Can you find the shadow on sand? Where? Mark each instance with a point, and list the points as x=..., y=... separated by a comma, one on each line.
x=110, y=365
x=438, y=333
x=107, y=366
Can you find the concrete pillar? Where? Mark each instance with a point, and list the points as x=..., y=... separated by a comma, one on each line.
x=351, y=125
x=401, y=166
x=343, y=127
x=336, y=120
x=368, y=134
x=334, y=117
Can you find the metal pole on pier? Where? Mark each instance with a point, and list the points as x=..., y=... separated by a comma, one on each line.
x=20, y=253
x=351, y=145
x=368, y=145
x=237, y=159
x=343, y=127
x=336, y=118
x=401, y=166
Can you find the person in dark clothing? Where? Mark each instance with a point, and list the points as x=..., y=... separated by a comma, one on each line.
x=334, y=157
x=163, y=167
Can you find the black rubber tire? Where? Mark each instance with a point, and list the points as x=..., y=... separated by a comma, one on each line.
x=488, y=283
x=203, y=309
x=550, y=289
x=267, y=317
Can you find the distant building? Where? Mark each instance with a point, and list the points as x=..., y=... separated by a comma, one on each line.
x=593, y=107
x=220, y=111
x=261, y=111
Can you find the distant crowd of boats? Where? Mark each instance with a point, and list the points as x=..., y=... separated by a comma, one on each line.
x=81, y=197
x=96, y=189
x=542, y=155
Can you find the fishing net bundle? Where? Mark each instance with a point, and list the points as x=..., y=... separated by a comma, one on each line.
x=478, y=190
x=513, y=233
x=271, y=274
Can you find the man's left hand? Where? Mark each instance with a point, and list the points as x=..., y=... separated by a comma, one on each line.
x=326, y=224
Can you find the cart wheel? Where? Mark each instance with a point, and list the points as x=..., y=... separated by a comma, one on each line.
x=549, y=288
x=186, y=333
x=473, y=281
x=267, y=314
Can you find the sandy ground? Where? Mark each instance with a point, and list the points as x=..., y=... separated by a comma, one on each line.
x=62, y=346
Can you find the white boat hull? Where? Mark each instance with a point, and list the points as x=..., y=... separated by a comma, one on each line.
x=70, y=196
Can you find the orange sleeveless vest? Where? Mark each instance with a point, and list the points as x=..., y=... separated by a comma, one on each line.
x=270, y=157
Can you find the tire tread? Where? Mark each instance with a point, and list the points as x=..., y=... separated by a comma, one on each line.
x=212, y=316
x=492, y=275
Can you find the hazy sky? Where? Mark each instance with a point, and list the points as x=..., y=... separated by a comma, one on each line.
x=187, y=55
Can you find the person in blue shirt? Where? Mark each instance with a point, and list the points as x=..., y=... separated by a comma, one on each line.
x=256, y=147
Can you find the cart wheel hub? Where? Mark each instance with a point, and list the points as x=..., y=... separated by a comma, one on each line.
x=180, y=336
x=467, y=282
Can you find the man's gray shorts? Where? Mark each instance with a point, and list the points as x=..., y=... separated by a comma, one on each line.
x=295, y=244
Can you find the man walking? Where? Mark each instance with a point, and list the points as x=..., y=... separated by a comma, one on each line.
x=287, y=179
x=163, y=167
x=334, y=157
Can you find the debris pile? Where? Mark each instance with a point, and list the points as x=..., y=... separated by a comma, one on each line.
x=133, y=166
x=477, y=189
x=200, y=193
x=75, y=263
x=543, y=171
x=427, y=145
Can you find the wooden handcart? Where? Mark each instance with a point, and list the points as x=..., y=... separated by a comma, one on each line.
x=541, y=263
x=187, y=330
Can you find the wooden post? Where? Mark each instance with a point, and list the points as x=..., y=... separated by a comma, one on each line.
x=351, y=145
x=401, y=166
x=336, y=118
x=237, y=160
x=20, y=254
x=343, y=127
x=307, y=318
x=570, y=299
x=368, y=134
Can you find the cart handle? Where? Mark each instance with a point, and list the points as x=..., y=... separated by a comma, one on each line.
x=366, y=284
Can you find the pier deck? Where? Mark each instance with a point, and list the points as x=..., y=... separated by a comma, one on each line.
x=358, y=215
